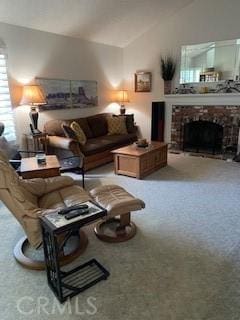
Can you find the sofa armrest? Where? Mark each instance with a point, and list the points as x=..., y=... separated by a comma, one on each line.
x=61, y=142
x=65, y=143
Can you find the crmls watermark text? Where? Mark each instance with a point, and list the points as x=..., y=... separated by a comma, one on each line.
x=43, y=305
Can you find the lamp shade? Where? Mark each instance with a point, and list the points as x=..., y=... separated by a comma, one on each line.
x=122, y=96
x=32, y=95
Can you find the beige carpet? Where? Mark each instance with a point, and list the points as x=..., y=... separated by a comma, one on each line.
x=184, y=263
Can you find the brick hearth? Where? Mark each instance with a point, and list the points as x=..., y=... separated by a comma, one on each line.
x=227, y=116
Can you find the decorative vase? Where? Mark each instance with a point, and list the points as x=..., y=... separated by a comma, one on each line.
x=167, y=87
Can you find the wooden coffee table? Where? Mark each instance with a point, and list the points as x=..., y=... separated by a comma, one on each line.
x=138, y=162
x=31, y=169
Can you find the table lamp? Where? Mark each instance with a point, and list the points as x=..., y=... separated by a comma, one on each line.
x=33, y=96
x=122, y=98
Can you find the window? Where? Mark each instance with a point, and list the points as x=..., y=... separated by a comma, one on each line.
x=190, y=75
x=6, y=113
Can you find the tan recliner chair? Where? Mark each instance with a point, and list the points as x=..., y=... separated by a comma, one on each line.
x=30, y=199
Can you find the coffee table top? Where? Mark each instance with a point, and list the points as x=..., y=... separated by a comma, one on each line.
x=134, y=150
x=31, y=164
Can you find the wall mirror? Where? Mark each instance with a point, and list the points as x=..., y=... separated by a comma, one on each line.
x=210, y=62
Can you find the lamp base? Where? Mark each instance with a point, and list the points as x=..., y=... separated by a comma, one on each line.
x=33, y=114
x=122, y=110
x=34, y=131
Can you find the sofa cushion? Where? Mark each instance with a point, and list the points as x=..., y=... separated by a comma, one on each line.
x=107, y=142
x=95, y=145
x=85, y=127
x=98, y=125
x=119, y=139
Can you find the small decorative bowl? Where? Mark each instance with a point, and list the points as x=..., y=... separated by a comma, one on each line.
x=141, y=145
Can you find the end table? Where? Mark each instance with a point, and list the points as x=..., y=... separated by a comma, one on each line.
x=66, y=284
x=30, y=168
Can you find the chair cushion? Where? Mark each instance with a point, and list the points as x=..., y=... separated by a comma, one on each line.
x=82, y=139
x=64, y=197
x=98, y=125
x=116, y=125
x=116, y=200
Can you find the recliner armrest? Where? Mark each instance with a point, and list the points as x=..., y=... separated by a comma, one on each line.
x=39, y=186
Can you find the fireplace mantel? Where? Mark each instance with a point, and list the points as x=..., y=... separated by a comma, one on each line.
x=203, y=99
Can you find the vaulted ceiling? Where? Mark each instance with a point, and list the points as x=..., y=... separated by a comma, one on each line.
x=113, y=22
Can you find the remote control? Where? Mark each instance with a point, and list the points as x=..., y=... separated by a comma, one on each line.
x=75, y=207
x=75, y=214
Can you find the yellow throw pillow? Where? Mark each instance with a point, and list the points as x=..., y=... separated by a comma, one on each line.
x=117, y=125
x=78, y=132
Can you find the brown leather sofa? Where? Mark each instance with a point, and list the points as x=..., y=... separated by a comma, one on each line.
x=97, y=150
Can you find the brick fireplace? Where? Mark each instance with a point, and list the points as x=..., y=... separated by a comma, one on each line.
x=223, y=120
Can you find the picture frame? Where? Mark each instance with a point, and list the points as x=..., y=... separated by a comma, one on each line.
x=67, y=94
x=143, y=82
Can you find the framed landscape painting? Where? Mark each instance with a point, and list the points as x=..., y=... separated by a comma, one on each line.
x=66, y=94
x=84, y=93
x=143, y=81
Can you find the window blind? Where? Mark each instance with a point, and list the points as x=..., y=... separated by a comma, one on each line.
x=6, y=113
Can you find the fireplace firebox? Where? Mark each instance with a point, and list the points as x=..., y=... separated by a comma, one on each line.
x=205, y=128
x=203, y=136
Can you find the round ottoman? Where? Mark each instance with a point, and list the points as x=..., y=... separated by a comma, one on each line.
x=118, y=202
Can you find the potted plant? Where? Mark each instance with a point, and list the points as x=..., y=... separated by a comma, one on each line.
x=168, y=68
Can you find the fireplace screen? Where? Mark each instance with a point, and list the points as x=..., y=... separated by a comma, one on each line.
x=203, y=136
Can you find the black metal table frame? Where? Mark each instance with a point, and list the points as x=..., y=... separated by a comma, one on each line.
x=75, y=164
x=61, y=282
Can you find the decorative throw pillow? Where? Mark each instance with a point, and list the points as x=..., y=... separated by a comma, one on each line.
x=117, y=125
x=129, y=122
x=78, y=132
x=69, y=133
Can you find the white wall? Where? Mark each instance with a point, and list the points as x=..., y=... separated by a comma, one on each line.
x=202, y=21
x=40, y=54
